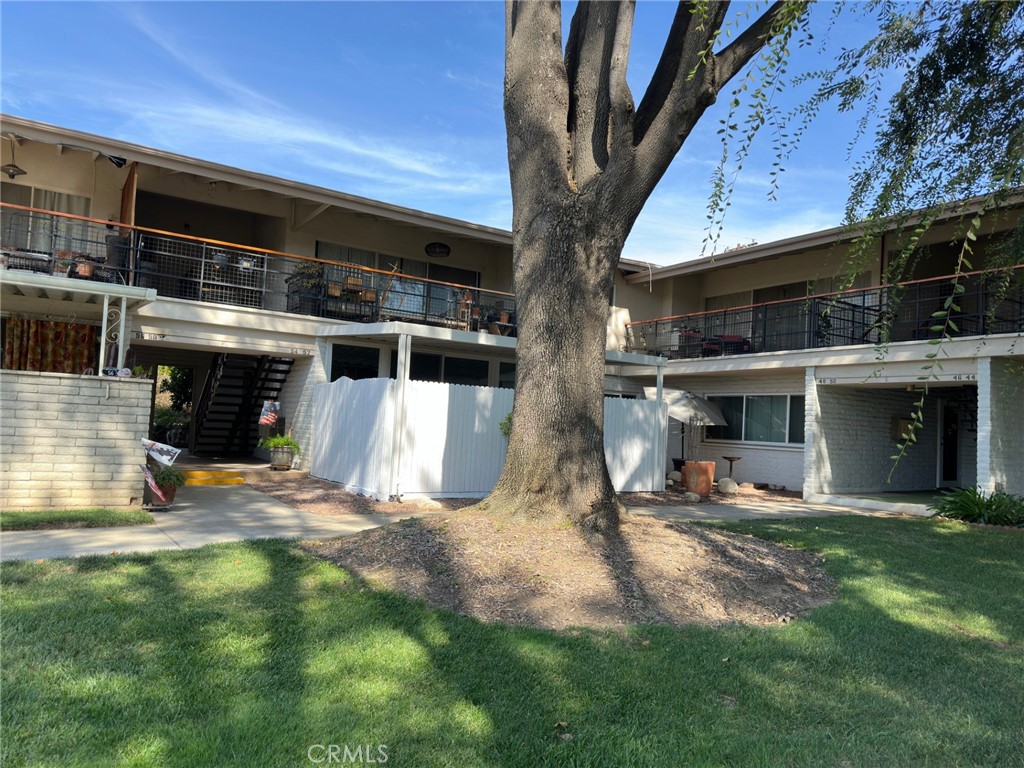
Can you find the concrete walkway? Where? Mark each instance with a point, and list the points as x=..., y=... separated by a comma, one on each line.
x=200, y=515
x=210, y=514
x=740, y=511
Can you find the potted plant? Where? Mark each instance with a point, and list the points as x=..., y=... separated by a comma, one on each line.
x=283, y=448
x=306, y=287
x=168, y=480
x=698, y=475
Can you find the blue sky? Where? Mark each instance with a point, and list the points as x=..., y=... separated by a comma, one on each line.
x=396, y=101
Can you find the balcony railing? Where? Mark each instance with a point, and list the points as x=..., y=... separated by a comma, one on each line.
x=186, y=267
x=991, y=302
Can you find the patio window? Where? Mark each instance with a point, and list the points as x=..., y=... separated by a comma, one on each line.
x=354, y=362
x=465, y=370
x=507, y=375
x=760, y=418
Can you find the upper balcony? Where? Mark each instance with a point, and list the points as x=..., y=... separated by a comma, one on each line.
x=185, y=267
x=991, y=302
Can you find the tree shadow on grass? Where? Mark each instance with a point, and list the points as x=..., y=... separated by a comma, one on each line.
x=192, y=663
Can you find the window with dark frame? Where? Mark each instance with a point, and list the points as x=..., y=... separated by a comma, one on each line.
x=775, y=419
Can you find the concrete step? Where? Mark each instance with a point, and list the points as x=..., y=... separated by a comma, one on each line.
x=269, y=475
x=202, y=477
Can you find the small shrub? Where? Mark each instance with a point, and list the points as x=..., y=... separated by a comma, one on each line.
x=168, y=477
x=281, y=441
x=506, y=425
x=973, y=506
x=165, y=417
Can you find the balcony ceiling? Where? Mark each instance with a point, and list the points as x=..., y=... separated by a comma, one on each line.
x=64, y=298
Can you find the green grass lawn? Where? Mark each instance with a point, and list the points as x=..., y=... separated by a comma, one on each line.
x=24, y=520
x=249, y=654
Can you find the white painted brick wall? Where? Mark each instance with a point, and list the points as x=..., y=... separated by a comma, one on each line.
x=853, y=442
x=297, y=400
x=1007, y=425
x=71, y=441
x=779, y=465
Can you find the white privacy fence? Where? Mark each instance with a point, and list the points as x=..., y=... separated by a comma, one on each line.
x=449, y=442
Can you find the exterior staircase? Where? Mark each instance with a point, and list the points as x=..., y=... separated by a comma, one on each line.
x=227, y=419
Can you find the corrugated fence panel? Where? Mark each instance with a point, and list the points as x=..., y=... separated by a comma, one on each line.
x=454, y=445
x=353, y=442
x=633, y=447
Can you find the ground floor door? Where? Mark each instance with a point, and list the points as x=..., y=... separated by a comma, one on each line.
x=949, y=445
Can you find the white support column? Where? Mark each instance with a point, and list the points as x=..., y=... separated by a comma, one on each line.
x=812, y=482
x=398, y=433
x=985, y=480
x=103, y=334
x=122, y=334
x=659, y=455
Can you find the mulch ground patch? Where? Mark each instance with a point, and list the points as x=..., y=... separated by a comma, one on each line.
x=529, y=573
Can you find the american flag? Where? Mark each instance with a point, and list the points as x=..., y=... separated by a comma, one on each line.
x=269, y=415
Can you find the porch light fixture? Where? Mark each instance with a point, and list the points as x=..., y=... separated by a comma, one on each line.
x=12, y=169
x=438, y=250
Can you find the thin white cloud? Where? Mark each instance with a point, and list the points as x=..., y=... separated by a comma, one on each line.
x=206, y=68
x=474, y=83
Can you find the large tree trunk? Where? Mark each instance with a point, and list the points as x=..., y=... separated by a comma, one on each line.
x=556, y=464
x=583, y=160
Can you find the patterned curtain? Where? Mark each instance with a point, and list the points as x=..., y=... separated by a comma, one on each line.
x=43, y=345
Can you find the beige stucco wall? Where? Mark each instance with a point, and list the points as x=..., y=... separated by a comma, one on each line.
x=792, y=268
x=271, y=221
x=72, y=172
x=633, y=302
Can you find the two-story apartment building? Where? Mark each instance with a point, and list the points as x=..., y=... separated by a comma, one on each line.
x=116, y=256
x=818, y=367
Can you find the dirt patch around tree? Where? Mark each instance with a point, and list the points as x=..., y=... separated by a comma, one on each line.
x=519, y=572
x=528, y=573
x=320, y=497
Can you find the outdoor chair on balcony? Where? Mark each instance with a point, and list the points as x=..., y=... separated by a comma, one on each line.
x=717, y=346
x=691, y=344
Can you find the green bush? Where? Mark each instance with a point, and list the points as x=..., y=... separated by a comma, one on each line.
x=178, y=382
x=973, y=506
x=165, y=417
x=506, y=425
x=281, y=441
x=168, y=477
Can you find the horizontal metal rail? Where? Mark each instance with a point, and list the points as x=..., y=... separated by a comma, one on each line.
x=217, y=272
x=991, y=302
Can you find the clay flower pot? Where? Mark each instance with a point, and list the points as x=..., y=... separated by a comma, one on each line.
x=699, y=476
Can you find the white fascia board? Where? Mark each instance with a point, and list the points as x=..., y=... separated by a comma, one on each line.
x=392, y=330
x=915, y=352
x=180, y=322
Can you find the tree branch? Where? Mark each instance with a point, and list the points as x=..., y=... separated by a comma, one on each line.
x=741, y=50
x=686, y=82
x=535, y=91
x=687, y=37
x=621, y=98
x=595, y=61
